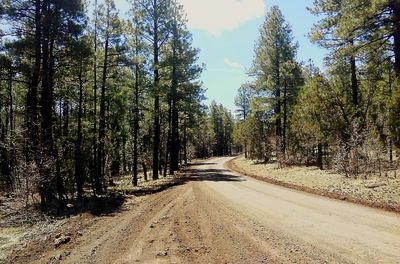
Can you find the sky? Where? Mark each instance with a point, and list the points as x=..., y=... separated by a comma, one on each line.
x=226, y=32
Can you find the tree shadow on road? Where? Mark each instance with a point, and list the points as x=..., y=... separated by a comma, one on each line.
x=215, y=175
x=172, y=181
x=202, y=164
x=109, y=203
x=184, y=177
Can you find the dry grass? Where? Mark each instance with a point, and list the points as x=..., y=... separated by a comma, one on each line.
x=377, y=191
x=21, y=227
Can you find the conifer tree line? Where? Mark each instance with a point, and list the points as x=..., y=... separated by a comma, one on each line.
x=346, y=116
x=87, y=96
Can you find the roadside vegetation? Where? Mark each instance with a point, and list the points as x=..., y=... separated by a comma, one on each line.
x=374, y=190
x=343, y=118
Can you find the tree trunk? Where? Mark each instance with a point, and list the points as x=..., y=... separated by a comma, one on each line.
x=165, y=168
x=46, y=93
x=31, y=100
x=11, y=100
x=12, y=154
x=94, y=172
x=102, y=122
x=144, y=170
x=65, y=115
x=174, y=140
x=136, y=126
x=169, y=140
x=4, y=166
x=285, y=115
x=53, y=147
x=156, y=141
x=78, y=147
x=48, y=150
x=185, y=157
x=278, y=107
x=124, y=161
x=45, y=110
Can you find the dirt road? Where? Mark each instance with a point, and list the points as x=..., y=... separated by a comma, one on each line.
x=217, y=216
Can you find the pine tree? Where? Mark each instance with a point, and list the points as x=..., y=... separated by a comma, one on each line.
x=111, y=34
x=157, y=30
x=273, y=66
x=242, y=102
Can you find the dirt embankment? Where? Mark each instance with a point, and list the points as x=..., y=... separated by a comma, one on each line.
x=380, y=192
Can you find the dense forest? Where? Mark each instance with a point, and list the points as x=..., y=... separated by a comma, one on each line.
x=345, y=116
x=84, y=99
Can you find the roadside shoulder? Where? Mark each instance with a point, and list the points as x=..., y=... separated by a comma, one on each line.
x=377, y=192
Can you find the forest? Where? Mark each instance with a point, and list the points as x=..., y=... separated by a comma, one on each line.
x=111, y=152
x=344, y=117
x=86, y=98
x=88, y=94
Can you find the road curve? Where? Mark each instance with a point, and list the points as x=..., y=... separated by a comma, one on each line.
x=217, y=216
x=342, y=231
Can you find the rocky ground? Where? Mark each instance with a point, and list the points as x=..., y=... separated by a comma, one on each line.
x=383, y=192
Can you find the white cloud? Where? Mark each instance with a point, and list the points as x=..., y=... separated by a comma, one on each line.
x=217, y=16
x=233, y=64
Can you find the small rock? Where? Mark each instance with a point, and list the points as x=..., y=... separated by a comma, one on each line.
x=61, y=240
x=162, y=253
x=80, y=233
x=152, y=226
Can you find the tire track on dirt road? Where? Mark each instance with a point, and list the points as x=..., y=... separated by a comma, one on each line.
x=214, y=215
